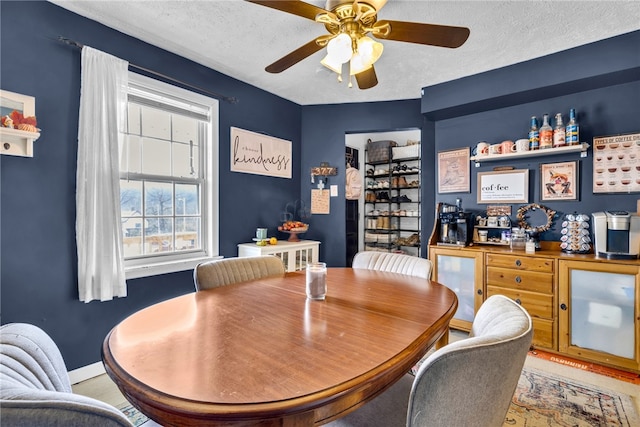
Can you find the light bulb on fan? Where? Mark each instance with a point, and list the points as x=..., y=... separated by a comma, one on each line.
x=339, y=49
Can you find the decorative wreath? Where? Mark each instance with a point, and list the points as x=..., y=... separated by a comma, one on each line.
x=522, y=219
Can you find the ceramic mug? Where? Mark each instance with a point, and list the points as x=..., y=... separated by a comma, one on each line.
x=492, y=221
x=261, y=233
x=508, y=147
x=495, y=149
x=503, y=221
x=482, y=221
x=522, y=145
x=482, y=149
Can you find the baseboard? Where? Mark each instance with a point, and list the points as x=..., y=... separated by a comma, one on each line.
x=86, y=372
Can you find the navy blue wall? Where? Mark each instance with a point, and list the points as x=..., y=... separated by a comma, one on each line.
x=323, y=140
x=600, y=80
x=39, y=270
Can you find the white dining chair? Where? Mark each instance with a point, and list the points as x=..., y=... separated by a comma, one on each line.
x=466, y=383
x=394, y=263
x=35, y=389
x=225, y=271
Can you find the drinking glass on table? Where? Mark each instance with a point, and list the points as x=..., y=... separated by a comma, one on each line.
x=316, y=280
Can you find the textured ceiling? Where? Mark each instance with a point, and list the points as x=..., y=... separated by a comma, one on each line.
x=240, y=39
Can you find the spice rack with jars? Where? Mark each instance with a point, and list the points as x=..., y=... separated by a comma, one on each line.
x=494, y=235
x=492, y=231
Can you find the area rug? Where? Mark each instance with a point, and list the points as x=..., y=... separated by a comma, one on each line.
x=136, y=417
x=544, y=399
x=618, y=374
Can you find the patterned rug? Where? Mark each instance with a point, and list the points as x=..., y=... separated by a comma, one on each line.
x=542, y=400
x=136, y=417
x=618, y=374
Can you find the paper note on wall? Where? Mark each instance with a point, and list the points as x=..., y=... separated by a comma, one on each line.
x=320, y=201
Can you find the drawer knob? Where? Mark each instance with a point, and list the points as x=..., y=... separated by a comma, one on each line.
x=563, y=306
x=518, y=262
x=518, y=301
x=479, y=291
x=518, y=279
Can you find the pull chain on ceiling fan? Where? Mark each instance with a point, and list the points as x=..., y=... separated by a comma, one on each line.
x=348, y=43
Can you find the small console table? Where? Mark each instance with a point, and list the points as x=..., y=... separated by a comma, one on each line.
x=294, y=255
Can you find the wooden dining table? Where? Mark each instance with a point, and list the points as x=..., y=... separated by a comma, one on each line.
x=261, y=353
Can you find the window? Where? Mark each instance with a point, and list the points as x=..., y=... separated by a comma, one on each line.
x=168, y=178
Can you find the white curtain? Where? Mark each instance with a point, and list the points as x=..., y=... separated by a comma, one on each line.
x=103, y=99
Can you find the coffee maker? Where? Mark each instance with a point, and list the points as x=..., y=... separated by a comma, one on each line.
x=463, y=228
x=455, y=226
x=447, y=227
x=616, y=234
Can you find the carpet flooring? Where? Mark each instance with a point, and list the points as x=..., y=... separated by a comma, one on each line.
x=544, y=399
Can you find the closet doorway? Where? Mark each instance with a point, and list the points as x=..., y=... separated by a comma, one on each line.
x=352, y=209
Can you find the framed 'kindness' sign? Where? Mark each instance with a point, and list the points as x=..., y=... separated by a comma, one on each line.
x=510, y=186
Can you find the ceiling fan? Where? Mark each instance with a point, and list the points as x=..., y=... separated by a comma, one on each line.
x=349, y=24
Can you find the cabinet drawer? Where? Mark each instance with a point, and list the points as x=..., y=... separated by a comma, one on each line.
x=522, y=280
x=538, y=305
x=543, y=333
x=520, y=262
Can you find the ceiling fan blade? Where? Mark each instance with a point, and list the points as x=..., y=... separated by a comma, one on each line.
x=367, y=79
x=429, y=34
x=294, y=7
x=294, y=57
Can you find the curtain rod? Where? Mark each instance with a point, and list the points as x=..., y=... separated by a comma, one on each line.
x=229, y=99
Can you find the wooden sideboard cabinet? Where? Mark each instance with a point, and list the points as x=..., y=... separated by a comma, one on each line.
x=461, y=271
x=294, y=255
x=530, y=281
x=582, y=306
x=600, y=312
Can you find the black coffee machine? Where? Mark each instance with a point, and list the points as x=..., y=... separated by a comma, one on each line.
x=455, y=225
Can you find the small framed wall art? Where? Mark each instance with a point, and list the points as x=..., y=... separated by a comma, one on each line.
x=453, y=171
x=559, y=181
x=507, y=186
x=616, y=164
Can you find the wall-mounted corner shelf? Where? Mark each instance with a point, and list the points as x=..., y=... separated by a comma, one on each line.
x=15, y=142
x=579, y=148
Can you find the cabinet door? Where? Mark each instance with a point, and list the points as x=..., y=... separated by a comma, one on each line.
x=600, y=312
x=462, y=273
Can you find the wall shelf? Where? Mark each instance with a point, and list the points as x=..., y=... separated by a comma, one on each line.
x=15, y=142
x=579, y=148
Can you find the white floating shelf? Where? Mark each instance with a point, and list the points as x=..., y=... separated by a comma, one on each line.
x=15, y=142
x=581, y=148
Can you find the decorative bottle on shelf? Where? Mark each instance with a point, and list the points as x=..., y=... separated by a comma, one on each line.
x=534, y=134
x=559, y=132
x=546, y=133
x=572, y=136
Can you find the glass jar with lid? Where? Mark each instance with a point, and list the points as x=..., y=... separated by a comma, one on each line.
x=518, y=239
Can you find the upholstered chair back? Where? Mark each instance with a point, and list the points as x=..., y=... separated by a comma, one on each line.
x=395, y=263
x=223, y=272
x=465, y=383
x=35, y=388
x=472, y=381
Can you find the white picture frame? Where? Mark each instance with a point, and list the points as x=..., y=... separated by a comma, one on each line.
x=260, y=154
x=508, y=186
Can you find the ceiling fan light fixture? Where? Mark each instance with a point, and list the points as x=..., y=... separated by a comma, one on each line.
x=339, y=49
x=369, y=51
x=331, y=64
